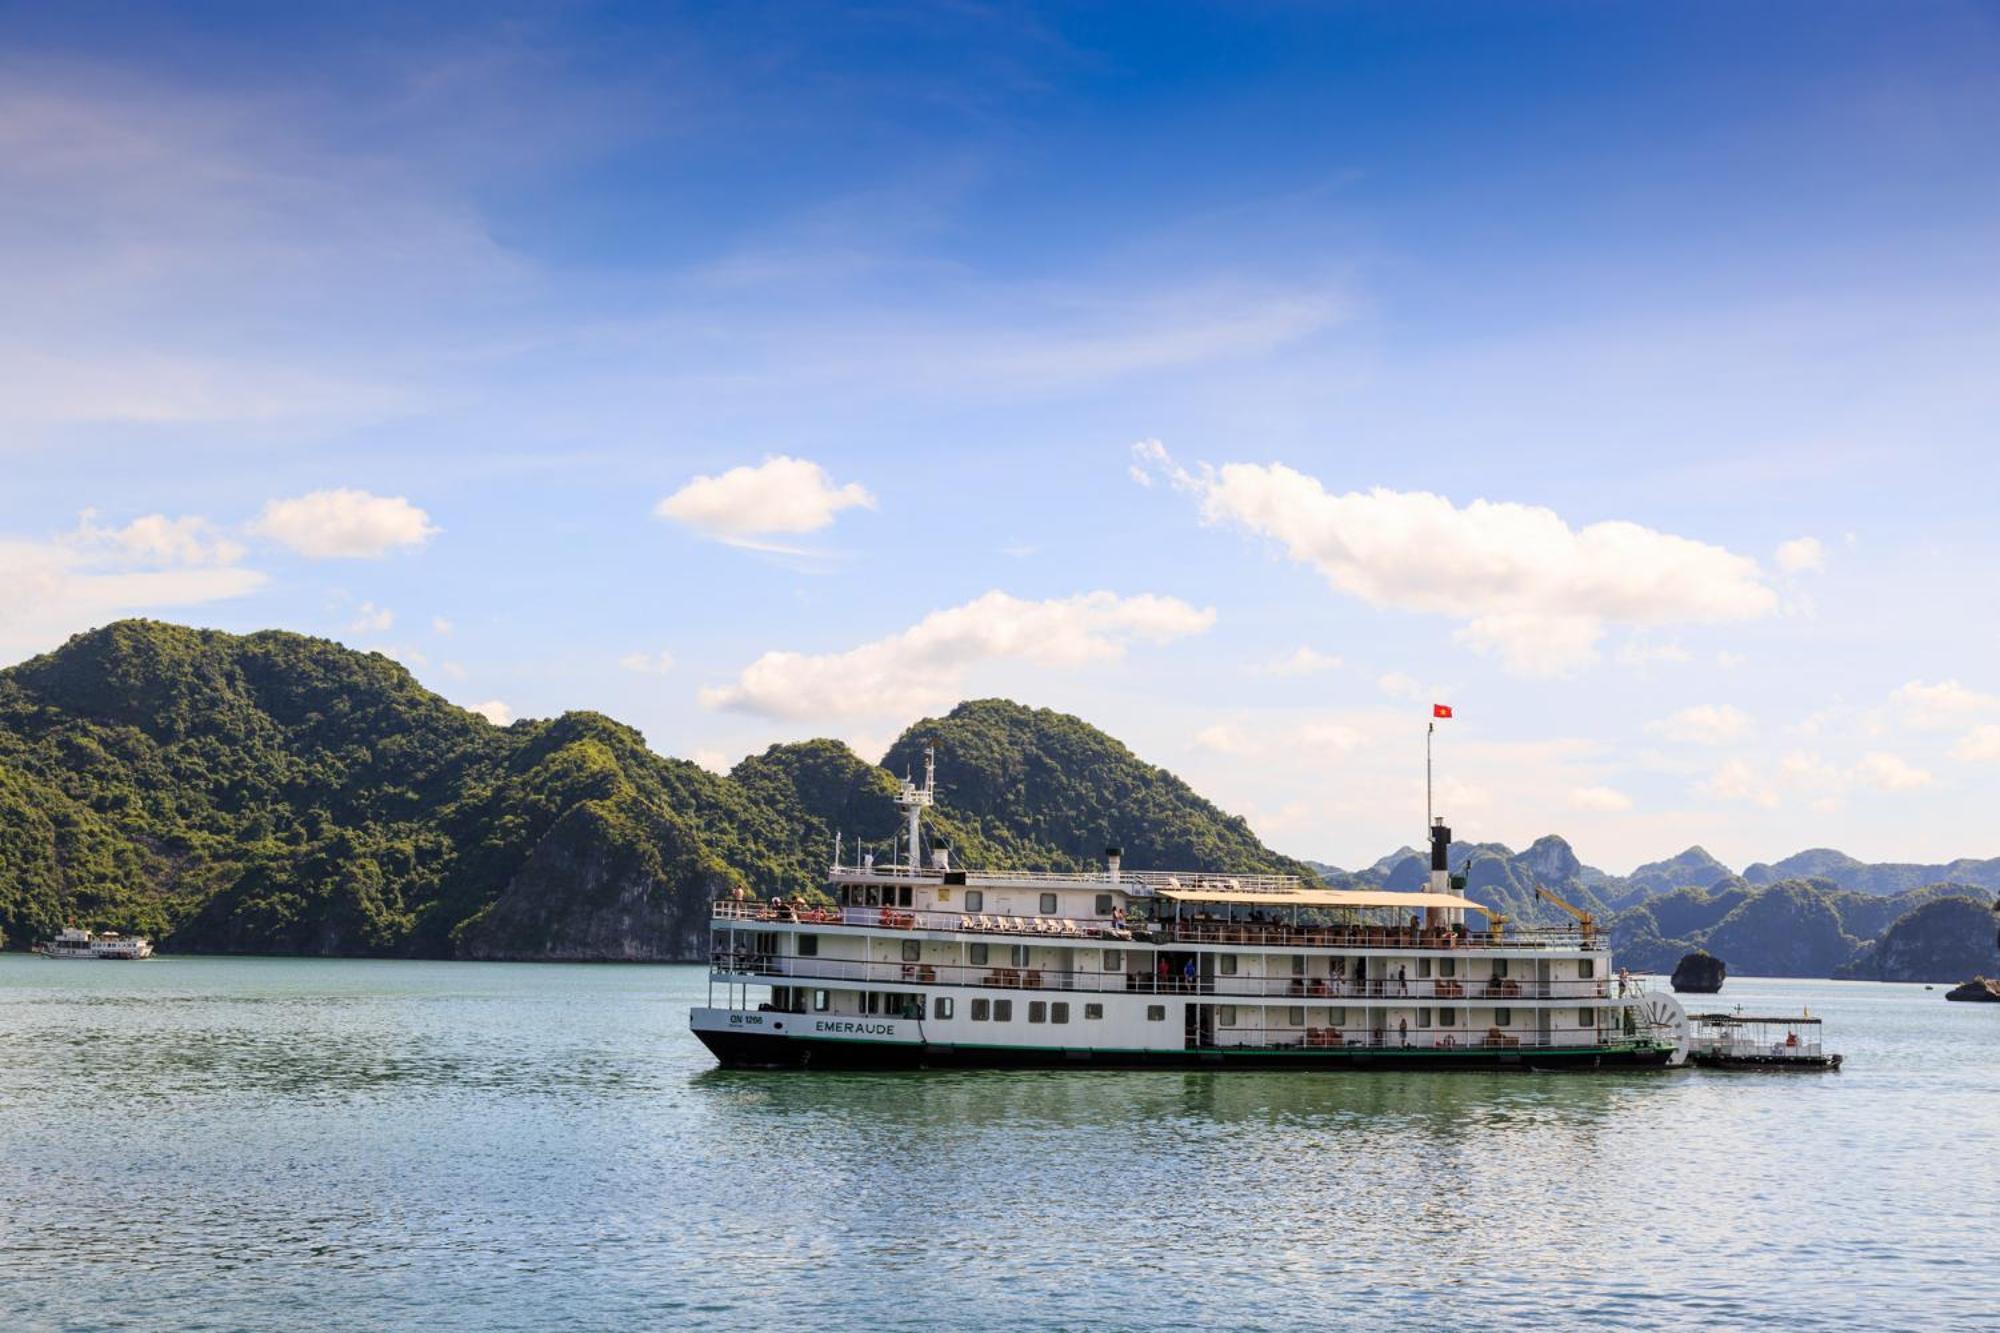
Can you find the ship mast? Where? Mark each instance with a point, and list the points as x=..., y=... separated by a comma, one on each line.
x=913, y=799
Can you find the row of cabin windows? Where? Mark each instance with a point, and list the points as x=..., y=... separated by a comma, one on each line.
x=890, y=1004
x=975, y=901
x=1039, y=1011
x=875, y=895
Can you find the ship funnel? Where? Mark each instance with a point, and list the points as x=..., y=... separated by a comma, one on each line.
x=1440, y=868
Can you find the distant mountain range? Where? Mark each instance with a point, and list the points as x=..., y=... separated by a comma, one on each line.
x=272, y=793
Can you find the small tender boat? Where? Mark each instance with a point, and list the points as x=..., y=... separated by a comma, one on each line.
x=1752, y=1041
x=75, y=943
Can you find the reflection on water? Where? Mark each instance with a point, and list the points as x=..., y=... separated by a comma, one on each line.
x=258, y=1143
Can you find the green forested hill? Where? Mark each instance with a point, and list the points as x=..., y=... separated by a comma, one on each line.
x=1031, y=787
x=277, y=793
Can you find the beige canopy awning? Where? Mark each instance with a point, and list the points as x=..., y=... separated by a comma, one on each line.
x=1326, y=898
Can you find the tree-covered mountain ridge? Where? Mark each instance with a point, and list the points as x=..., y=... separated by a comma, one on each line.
x=276, y=793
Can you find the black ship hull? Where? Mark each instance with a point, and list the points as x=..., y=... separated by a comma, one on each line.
x=759, y=1050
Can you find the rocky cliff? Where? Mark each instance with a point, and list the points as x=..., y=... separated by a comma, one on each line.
x=1948, y=939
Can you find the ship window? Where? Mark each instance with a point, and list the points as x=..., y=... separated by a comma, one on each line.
x=1048, y=904
x=944, y=1006
x=872, y=1003
x=1059, y=1012
x=1423, y=1018
x=1003, y=1011
x=977, y=953
x=903, y=895
x=1114, y=961
x=808, y=946
x=912, y=951
x=1038, y=1011
x=1226, y=1015
x=1586, y=968
x=1019, y=953
x=1337, y=1016
x=1226, y=964
x=1296, y=1015
x=874, y=896
x=1586, y=1018
x=1499, y=967
x=1298, y=964
x=982, y=1010
x=1423, y=967
x=820, y=1001
x=1104, y=904
x=975, y=900
x=1156, y=1013
x=1503, y=1017
x=913, y=1007
x=1447, y=967
x=1447, y=1018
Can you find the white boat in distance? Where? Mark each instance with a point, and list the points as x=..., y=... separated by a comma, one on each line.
x=923, y=965
x=75, y=943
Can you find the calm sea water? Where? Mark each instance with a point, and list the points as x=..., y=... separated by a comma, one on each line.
x=250, y=1143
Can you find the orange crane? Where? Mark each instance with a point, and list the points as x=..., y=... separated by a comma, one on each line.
x=1584, y=920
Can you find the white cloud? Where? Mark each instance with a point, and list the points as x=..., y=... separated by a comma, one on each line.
x=156, y=540
x=1801, y=555
x=1889, y=772
x=1821, y=781
x=1980, y=745
x=441, y=626
x=1397, y=685
x=780, y=495
x=1302, y=662
x=371, y=619
x=493, y=710
x=344, y=524
x=50, y=590
x=1528, y=585
x=648, y=664
x=452, y=670
x=715, y=761
x=1737, y=781
x=1704, y=724
x=1599, y=799
x=1941, y=706
x=925, y=666
x=1224, y=738
x=1636, y=652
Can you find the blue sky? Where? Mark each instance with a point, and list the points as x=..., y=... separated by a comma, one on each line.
x=1242, y=378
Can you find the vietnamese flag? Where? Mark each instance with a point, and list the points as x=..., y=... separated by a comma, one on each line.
x=1440, y=710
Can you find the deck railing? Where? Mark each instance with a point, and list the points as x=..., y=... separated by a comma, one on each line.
x=1150, y=879
x=1289, y=990
x=1252, y=935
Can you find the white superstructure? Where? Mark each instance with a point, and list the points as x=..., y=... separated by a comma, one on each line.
x=923, y=964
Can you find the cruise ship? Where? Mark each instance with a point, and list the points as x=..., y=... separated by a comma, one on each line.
x=75, y=943
x=918, y=964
